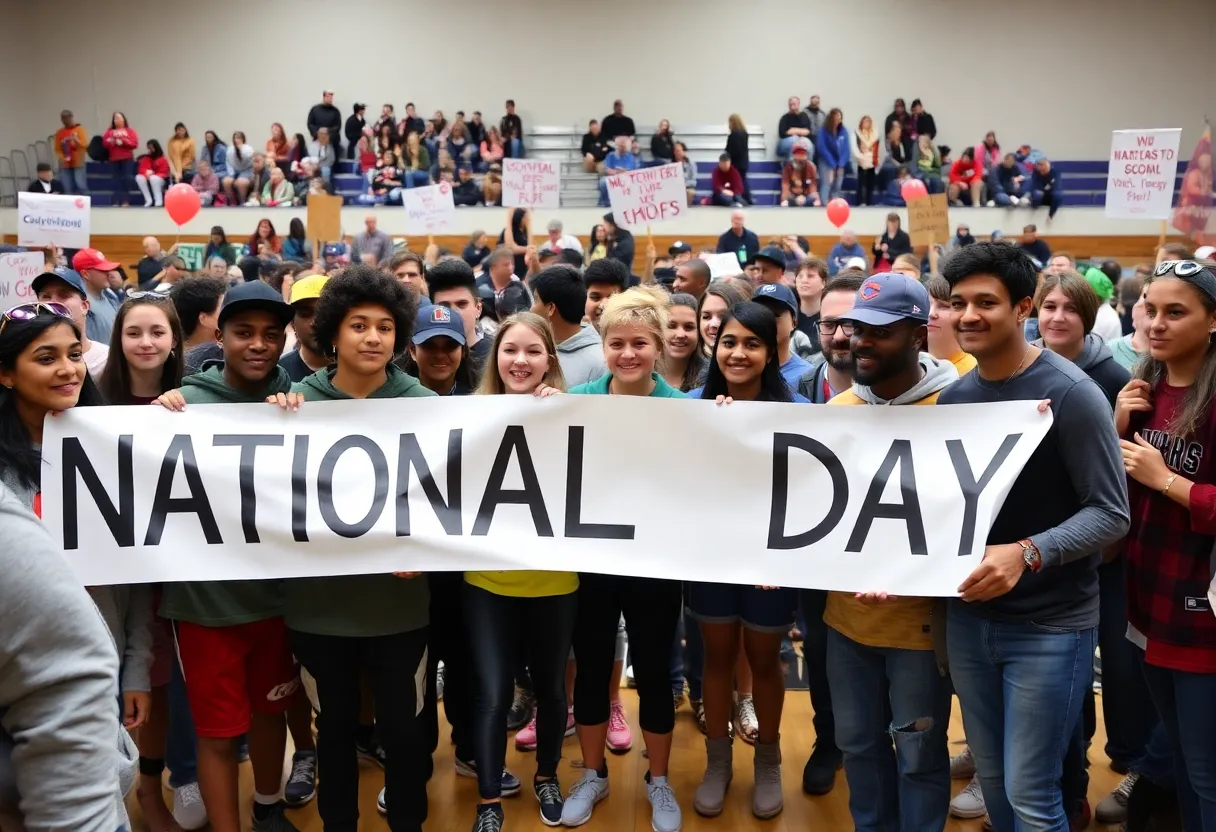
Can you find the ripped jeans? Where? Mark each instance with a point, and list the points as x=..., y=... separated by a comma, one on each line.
x=898, y=773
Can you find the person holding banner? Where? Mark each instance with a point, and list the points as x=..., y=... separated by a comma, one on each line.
x=1165, y=418
x=507, y=612
x=633, y=325
x=880, y=657
x=1021, y=636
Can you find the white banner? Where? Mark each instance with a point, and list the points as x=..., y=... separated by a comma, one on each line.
x=846, y=498
x=429, y=210
x=530, y=183
x=45, y=219
x=723, y=265
x=648, y=195
x=17, y=271
x=1143, y=167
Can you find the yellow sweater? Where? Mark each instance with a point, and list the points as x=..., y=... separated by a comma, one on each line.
x=964, y=362
x=525, y=583
x=902, y=623
x=180, y=154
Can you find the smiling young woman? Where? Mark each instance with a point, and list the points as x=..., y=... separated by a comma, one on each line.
x=683, y=362
x=146, y=356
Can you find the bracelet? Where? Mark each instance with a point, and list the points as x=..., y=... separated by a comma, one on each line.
x=1168, y=483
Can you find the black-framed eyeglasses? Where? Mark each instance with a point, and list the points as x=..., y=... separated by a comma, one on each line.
x=29, y=311
x=1182, y=268
x=827, y=328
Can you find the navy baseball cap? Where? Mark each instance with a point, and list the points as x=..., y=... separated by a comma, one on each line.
x=887, y=297
x=779, y=293
x=68, y=276
x=255, y=294
x=772, y=254
x=436, y=320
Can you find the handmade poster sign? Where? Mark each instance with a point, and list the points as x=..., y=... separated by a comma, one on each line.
x=531, y=183
x=642, y=197
x=1140, y=180
x=52, y=219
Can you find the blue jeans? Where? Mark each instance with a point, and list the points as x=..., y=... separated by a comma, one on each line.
x=905, y=787
x=515, y=148
x=603, y=186
x=417, y=179
x=1127, y=708
x=75, y=180
x=1052, y=200
x=830, y=182
x=1021, y=687
x=815, y=654
x=1184, y=701
x=785, y=146
x=124, y=180
x=181, y=750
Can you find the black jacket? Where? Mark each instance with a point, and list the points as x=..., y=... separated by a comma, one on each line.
x=354, y=128
x=614, y=125
x=897, y=245
x=466, y=193
x=622, y=247
x=328, y=116
x=36, y=186
x=663, y=146
x=511, y=125
x=926, y=126
x=598, y=146
x=736, y=146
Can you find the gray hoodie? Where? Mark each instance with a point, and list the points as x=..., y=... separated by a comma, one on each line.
x=938, y=375
x=581, y=357
x=1099, y=363
x=60, y=739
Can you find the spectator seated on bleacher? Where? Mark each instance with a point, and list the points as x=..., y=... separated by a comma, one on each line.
x=325, y=153
x=559, y=240
x=215, y=152
x=278, y=147
x=491, y=185
x=443, y=161
x=205, y=182
x=690, y=171
x=967, y=180
x=367, y=160
x=387, y=182
x=240, y=164
x=924, y=123
x=460, y=148
x=306, y=182
x=492, y=150
x=466, y=192
x=988, y=153
x=799, y=181
x=728, y=184
x=417, y=162
x=411, y=123
x=897, y=155
x=477, y=129
x=929, y=164
x=180, y=154
x=277, y=192
x=45, y=182
x=152, y=169
x=893, y=193
x=1005, y=184
x=595, y=148
x=794, y=124
x=662, y=144
x=1045, y=188
x=259, y=175
x=620, y=160
x=907, y=126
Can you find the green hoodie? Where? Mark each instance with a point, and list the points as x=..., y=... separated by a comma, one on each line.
x=357, y=605
x=222, y=603
x=600, y=387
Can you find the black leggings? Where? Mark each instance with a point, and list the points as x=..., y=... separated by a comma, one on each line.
x=393, y=663
x=865, y=186
x=499, y=626
x=449, y=643
x=652, y=611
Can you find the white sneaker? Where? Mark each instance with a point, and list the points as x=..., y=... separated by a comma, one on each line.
x=969, y=803
x=188, y=808
x=991, y=203
x=583, y=797
x=1015, y=201
x=380, y=807
x=962, y=766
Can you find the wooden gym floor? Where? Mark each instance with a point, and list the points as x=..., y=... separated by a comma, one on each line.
x=453, y=799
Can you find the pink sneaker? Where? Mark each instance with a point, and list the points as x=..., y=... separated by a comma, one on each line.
x=525, y=738
x=620, y=738
x=570, y=729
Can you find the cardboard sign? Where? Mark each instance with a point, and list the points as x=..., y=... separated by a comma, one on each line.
x=1140, y=180
x=192, y=255
x=429, y=210
x=642, y=197
x=929, y=220
x=17, y=271
x=722, y=265
x=530, y=183
x=53, y=219
x=324, y=217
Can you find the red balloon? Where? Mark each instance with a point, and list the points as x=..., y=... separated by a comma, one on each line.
x=913, y=189
x=182, y=203
x=838, y=212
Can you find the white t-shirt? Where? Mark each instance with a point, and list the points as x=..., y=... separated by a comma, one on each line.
x=565, y=241
x=1107, y=325
x=95, y=359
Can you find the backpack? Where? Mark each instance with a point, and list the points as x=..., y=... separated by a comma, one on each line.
x=98, y=151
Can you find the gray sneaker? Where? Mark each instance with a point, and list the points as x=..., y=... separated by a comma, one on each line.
x=664, y=811
x=969, y=803
x=766, y=800
x=1113, y=807
x=583, y=797
x=275, y=821
x=719, y=769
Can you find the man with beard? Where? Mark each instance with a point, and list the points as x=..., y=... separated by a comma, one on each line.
x=306, y=358
x=832, y=371
x=880, y=660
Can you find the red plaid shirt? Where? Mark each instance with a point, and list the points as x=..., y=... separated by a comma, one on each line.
x=1170, y=549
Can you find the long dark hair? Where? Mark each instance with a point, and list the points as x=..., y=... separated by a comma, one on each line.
x=126, y=122
x=762, y=323
x=154, y=149
x=17, y=451
x=218, y=141
x=186, y=133
x=115, y=381
x=464, y=374
x=296, y=230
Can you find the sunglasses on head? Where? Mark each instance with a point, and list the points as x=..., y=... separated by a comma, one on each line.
x=149, y=295
x=29, y=311
x=1182, y=268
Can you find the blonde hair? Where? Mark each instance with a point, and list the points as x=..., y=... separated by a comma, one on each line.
x=491, y=382
x=735, y=122
x=641, y=306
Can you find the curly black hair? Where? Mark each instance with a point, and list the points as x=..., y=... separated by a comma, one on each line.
x=359, y=285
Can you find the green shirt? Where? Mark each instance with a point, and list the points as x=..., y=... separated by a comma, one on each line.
x=602, y=386
x=222, y=603
x=357, y=605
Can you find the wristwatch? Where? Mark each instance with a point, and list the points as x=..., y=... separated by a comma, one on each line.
x=1031, y=555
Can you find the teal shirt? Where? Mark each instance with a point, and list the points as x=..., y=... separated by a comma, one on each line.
x=600, y=387
x=358, y=606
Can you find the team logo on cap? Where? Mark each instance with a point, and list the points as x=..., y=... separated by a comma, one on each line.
x=767, y=289
x=441, y=315
x=869, y=290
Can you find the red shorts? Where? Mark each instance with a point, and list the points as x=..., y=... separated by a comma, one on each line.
x=233, y=671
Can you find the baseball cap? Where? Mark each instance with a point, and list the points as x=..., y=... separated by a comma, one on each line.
x=332, y=250
x=308, y=288
x=887, y=297
x=801, y=145
x=91, y=258
x=679, y=247
x=254, y=294
x=68, y=276
x=778, y=293
x=1100, y=283
x=433, y=321
x=856, y=263
x=771, y=254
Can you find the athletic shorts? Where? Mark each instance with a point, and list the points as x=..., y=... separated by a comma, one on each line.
x=233, y=671
x=762, y=610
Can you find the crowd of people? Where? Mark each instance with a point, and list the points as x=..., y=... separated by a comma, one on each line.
x=1103, y=540
x=818, y=149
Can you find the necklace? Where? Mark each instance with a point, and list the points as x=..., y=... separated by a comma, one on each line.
x=1016, y=369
